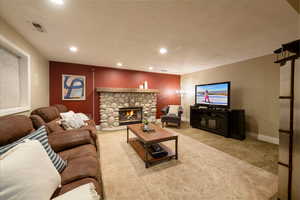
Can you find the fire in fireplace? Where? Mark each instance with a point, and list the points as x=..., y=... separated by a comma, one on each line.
x=130, y=115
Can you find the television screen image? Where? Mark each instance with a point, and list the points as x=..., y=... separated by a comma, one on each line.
x=213, y=94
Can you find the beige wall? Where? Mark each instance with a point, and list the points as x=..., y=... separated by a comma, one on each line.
x=254, y=87
x=39, y=66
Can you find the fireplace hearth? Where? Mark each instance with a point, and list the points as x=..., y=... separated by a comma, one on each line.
x=130, y=115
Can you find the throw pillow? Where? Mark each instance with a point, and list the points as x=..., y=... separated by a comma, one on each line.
x=27, y=173
x=173, y=109
x=42, y=137
x=86, y=192
x=67, y=114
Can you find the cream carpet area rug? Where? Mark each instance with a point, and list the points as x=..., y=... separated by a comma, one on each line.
x=201, y=172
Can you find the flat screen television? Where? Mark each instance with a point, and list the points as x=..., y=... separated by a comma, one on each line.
x=213, y=95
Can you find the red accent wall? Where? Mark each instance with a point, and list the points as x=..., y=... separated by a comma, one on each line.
x=110, y=77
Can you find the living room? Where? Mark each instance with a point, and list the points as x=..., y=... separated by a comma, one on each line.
x=149, y=100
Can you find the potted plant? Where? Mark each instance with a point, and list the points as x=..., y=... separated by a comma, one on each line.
x=146, y=124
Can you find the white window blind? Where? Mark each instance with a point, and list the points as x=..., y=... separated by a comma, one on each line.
x=15, y=92
x=9, y=80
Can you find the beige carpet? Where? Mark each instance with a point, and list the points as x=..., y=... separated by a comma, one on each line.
x=258, y=153
x=201, y=172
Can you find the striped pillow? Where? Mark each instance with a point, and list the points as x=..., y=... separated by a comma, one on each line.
x=42, y=137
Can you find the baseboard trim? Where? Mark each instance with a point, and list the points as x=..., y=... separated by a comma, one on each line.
x=268, y=139
x=265, y=138
x=98, y=127
x=184, y=119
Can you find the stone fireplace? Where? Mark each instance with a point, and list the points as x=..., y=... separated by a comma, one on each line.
x=121, y=106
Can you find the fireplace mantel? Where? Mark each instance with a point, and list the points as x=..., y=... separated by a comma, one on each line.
x=127, y=90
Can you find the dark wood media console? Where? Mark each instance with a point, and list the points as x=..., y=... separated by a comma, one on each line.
x=228, y=123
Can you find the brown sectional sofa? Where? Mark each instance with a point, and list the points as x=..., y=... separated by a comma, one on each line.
x=78, y=147
x=49, y=116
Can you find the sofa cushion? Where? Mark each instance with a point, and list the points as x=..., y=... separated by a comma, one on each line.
x=41, y=136
x=61, y=108
x=27, y=177
x=170, y=118
x=80, y=151
x=61, y=141
x=47, y=113
x=80, y=167
x=13, y=128
x=72, y=185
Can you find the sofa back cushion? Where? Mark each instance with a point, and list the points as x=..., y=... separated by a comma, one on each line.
x=13, y=128
x=61, y=108
x=37, y=121
x=27, y=173
x=47, y=113
x=41, y=136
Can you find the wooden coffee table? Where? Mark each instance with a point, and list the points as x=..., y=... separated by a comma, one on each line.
x=143, y=140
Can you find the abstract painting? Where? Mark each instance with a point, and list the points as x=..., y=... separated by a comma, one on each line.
x=73, y=87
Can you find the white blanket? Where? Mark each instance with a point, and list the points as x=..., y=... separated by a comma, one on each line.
x=71, y=120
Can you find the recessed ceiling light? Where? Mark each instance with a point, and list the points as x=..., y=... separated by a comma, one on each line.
x=120, y=64
x=163, y=50
x=150, y=68
x=59, y=2
x=73, y=49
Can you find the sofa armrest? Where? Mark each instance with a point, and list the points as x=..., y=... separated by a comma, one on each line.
x=91, y=127
x=63, y=140
x=91, y=122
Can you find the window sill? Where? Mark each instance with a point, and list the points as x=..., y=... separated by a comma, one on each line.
x=10, y=111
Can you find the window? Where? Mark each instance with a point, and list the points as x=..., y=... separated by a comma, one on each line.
x=14, y=79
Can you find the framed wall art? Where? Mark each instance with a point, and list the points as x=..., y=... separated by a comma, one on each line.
x=73, y=87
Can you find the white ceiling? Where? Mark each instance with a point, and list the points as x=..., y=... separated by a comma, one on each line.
x=199, y=34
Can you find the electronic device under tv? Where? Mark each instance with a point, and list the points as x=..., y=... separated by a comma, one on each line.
x=213, y=95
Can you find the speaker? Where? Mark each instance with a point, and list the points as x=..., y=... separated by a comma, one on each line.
x=237, y=124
